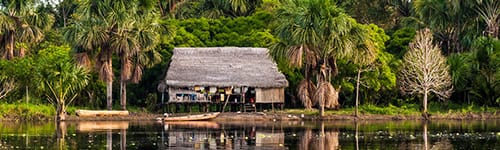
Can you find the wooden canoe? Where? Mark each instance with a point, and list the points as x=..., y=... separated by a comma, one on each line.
x=101, y=113
x=206, y=116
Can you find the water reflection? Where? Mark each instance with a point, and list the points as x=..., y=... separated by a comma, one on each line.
x=325, y=140
x=61, y=130
x=252, y=135
x=212, y=135
x=426, y=139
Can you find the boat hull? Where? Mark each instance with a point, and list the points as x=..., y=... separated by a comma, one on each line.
x=199, y=117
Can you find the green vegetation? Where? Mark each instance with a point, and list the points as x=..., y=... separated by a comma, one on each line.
x=23, y=111
x=350, y=51
x=408, y=109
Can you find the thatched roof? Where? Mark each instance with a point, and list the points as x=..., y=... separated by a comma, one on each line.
x=224, y=67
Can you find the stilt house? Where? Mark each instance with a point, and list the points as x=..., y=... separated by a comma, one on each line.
x=218, y=74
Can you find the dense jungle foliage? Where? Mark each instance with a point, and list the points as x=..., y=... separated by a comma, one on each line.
x=123, y=47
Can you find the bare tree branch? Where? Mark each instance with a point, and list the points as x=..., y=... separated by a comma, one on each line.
x=6, y=86
x=424, y=69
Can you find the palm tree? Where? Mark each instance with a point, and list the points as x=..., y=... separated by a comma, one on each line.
x=228, y=8
x=21, y=22
x=59, y=78
x=105, y=28
x=89, y=36
x=452, y=22
x=489, y=11
x=314, y=34
x=132, y=44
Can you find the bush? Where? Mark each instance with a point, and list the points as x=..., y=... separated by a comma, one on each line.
x=23, y=111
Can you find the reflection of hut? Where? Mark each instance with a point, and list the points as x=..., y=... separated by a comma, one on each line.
x=269, y=139
x=219, y=74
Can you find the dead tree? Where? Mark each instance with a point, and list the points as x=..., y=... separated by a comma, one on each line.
x=425, y=70
x=6, y=86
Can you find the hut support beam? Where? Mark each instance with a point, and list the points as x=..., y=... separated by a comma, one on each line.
x=228, y=96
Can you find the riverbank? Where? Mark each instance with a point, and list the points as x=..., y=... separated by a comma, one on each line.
x=260, y=116
x=13, y=112
x=276, y=116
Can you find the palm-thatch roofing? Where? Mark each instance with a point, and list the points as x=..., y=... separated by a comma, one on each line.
x=224, y=67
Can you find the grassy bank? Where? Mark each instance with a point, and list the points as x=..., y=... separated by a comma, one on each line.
x=27, y=112
x=409, y=109
x=23, y=111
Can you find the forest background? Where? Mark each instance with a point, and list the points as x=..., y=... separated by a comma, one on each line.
x=125, y=47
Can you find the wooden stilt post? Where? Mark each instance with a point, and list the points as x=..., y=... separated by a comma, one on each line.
x=229, y=95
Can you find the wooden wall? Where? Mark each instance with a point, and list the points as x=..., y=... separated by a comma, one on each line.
x=269, y=95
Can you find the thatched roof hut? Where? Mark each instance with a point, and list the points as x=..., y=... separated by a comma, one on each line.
x=224, y=67
x=237, y=68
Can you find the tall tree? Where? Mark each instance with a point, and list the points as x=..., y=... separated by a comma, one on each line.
x=64, y=10
x=456, y=23
x=366, y=59
x=313, y=34
x=21, y=22
x=105, y=28
x=141, y=38
x=485, y=69
x=425, y=70
x=89, y=34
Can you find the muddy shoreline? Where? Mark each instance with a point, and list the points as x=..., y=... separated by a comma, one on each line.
x=261, y=116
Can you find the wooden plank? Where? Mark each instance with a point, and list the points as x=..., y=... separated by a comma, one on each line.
x=269, y=95
x=101, y=113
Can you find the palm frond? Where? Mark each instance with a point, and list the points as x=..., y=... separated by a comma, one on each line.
x=305, y=90
x=326, y=95
x=137, y=75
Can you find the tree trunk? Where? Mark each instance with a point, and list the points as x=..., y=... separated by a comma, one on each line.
x=357, y=93
x=61, y=111
x=109, y=85
x=162, y=12
x=322, y=109
x=109, y=93
x=334, y=70
x=322, y=77
x=425, y=101
x=27, y=96
x=426, y=92
x=10, y=46
x=123, y=94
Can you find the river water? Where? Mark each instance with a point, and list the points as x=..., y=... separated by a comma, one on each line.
x=252, y=135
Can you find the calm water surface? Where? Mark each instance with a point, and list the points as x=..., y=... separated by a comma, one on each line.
x=252, y=135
